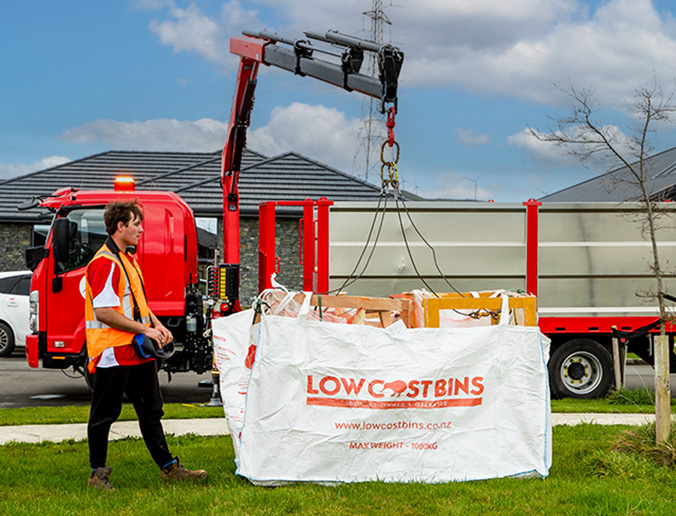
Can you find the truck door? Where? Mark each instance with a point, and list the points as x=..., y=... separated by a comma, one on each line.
x=65, y=293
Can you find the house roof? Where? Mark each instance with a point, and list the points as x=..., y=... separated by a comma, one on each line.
x=615, y=186
x=192, y=175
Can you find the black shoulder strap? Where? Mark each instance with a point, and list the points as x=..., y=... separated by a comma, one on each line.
x=116, y=250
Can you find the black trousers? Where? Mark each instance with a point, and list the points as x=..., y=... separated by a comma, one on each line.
x=142, y=387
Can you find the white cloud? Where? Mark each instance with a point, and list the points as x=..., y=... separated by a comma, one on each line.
x=235, y=18
x=205, y=135
x=452, y=185
x=480, y=24
x=561, y=155
x=541, y=151
x=517, y=48
x=10, y=170
x=444, y=23
x=470, y=137
x=322, y=133
x=191, y=30
x=565, y=43
x=447, y=21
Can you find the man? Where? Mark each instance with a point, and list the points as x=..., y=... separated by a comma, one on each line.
x=117, y=316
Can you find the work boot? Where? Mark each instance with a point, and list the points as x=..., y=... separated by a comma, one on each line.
x=176, y=471
x=100, y=479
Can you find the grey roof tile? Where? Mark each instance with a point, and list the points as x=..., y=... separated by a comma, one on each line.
x=618, y=185
x=194, y=176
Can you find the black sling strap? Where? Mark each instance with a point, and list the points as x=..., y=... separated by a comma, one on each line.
x=638, y=332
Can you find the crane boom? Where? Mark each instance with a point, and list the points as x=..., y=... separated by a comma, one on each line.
x=297, y=56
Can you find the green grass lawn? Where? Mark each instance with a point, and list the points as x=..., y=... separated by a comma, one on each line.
x=585, y=479
x=65, y=415
x=587, y=476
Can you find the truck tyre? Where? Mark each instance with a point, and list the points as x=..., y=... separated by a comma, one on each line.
x=580, y=368
x=6, y=340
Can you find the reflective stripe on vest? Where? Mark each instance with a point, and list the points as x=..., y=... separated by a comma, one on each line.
x=97, y=325
x=126, y=300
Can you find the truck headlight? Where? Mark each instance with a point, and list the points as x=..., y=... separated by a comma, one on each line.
x=34, y=310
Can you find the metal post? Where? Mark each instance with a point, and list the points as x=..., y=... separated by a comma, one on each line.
x=266, y=244
x=314, y=246
x=532, y=243
x=322, y=268
x=308, y=245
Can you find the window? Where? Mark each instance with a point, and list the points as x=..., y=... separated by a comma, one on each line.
x=23, y=286
x=39, y=235
x=7, y=284
x=87, y=233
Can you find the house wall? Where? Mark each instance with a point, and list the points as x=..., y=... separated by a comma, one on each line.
x=14, y=239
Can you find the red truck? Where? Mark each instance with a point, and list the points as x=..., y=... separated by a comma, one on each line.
x=167, y=253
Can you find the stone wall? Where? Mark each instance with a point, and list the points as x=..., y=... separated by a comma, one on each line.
x=286, y=248
x=14, y=239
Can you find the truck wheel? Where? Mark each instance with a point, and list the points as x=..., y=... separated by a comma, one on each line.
x=6, y=340
x=580, y=368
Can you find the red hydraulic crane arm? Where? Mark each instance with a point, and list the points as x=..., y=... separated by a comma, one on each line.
x=235, y=143
x=296, y=56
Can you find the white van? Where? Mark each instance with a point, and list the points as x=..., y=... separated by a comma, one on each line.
x=14, y=291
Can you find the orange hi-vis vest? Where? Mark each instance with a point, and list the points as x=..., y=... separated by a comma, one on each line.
x=99, y=335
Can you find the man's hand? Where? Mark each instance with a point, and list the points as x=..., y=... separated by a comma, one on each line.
x=160, y=334
x=165, y=336
x=157, y=335
x=116, y=320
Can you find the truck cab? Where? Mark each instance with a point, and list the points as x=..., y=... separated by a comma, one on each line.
x=167, y=255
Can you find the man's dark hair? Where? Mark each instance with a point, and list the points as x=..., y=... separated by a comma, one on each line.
x=121, y=211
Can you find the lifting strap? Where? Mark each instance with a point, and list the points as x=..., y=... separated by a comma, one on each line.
x=638, y=332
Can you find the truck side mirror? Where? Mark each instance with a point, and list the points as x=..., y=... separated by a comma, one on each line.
x=29, y=204
x=60, y=240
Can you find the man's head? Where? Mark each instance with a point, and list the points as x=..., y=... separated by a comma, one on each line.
x=123, y=222
x=123, y=212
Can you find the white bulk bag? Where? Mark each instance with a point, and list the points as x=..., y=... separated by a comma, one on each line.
x=343, y=403
x=234, y=340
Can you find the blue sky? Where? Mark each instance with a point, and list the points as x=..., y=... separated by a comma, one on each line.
x=82, y=77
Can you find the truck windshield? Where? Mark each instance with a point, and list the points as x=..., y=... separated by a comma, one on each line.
x=87, y=233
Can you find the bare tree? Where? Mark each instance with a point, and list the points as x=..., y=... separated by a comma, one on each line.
x=584, y=137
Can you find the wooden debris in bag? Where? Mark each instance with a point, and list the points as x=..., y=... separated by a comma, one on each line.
x=340, y=309
x=358, y=318
x=470, y=309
